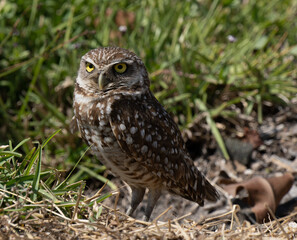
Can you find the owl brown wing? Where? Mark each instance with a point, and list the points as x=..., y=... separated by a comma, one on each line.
x=147, y=133
x=73, y=125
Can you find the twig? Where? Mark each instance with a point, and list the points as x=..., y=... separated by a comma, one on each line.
x=156, y=219
x=223, y=230
x=158, y=229
x=115, y=208
x=235, y=209
x=278, y=223
x=96, y=195
x=19, y=196
x=74, y=216
x=219, y=216
x=57, y=214
x=182, y=217
x=169, y=225
x=182, y=231
x=276, y=160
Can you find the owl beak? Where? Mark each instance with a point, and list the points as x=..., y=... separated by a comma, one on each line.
x=101, y=81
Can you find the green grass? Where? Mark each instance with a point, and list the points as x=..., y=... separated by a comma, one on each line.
x=193, y=65
x=25, y=187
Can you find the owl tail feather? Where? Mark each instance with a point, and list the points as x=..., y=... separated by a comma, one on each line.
x=211, y=194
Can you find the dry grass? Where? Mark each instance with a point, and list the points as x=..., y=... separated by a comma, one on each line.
x=41, y=225
x=42, y=222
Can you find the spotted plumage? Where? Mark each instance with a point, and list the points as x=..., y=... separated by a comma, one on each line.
x=130, y=132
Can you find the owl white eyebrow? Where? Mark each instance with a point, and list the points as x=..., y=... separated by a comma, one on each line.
x=128, y=61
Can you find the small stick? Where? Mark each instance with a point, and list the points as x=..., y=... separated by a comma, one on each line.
x=186, y=236
x=17, y=195
x=74, y=216
x=115, y=208
x=232, y=218
x=184, y=216
x=158, y=229
x=156, y=219
x=223, y=230
x=219, y=216
x=97, y=194
x=278, y=223
x=57, y=214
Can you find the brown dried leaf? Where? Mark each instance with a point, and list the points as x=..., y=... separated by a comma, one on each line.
x=262, y=191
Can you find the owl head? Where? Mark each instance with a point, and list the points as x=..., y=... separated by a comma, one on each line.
x=110, y=68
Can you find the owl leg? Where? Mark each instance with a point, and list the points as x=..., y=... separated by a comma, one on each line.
x=137, y=196
x=153, y=196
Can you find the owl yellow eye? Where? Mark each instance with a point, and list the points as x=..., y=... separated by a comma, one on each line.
x=120, y=67
x=89, y=67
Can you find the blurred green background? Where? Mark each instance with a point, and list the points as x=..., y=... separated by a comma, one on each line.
x=202, y=56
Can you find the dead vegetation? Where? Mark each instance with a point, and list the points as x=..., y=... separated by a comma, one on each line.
x=70, y=211
x=41, y=224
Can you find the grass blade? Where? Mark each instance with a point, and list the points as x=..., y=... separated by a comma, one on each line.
x=32, y=84
x=49, y=138
x=70, y=174
x=97, y=176
x=36, y=179
x=213, y=127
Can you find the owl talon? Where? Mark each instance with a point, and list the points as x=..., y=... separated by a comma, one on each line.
x=137, y=196
x=153, y=197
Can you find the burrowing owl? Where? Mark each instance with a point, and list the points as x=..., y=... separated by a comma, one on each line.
x=130, y=132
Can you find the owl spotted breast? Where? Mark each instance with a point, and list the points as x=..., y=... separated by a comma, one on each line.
x=130, y=132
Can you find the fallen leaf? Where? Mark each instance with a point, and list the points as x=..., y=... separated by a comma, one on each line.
x=259, y=191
